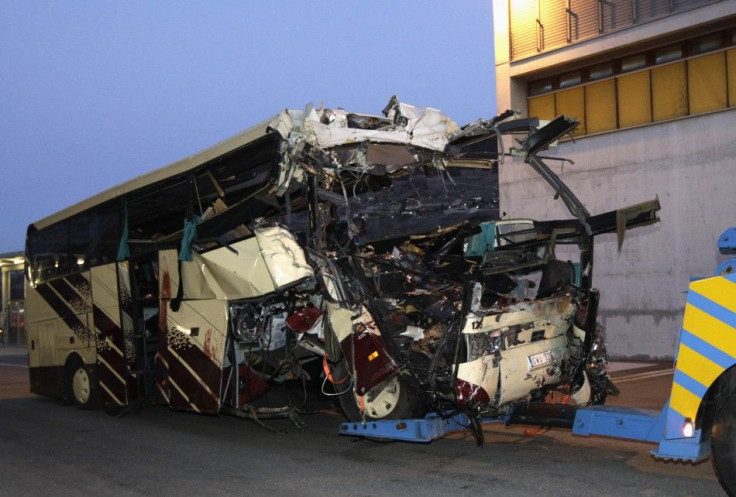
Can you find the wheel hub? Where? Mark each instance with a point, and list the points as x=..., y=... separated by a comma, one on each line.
x=80, y=385
x=382, y=403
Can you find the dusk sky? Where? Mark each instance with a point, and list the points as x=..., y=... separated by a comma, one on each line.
x=94, y=93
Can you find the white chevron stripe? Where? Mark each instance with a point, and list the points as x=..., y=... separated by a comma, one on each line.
x=109, y=392
x=110, y=344
x=164, y=393
x=194, y=407
x=196, y=376
x=107, y=365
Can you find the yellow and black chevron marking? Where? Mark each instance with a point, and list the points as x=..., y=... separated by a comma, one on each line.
x=707, y=347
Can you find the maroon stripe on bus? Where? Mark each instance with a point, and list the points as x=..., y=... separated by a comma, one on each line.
x=113, y=358
x=80, y=283
x=112, y=383
x=162, y=378
x=193, y=388
x=64, y=311
x=111, y=361
x=77, y=297
x=200, y=362
x=116, y=360
x=107, y=327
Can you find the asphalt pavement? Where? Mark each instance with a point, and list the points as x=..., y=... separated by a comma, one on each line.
x=49, y=449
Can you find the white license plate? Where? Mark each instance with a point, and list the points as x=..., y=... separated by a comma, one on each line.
x=540, y=359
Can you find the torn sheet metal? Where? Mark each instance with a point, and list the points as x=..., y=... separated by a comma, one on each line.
x=325, y=128
x=310, y=135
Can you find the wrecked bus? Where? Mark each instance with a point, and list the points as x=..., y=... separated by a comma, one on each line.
x=362, y=253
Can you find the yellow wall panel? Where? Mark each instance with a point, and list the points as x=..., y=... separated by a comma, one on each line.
x=542, y=107
x=669, y=91
x=706, y=77
x=572, y=103
x=600, y=106
x=731, y=73
x=634, y=99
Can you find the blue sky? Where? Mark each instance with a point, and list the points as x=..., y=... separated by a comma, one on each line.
x=93, y=93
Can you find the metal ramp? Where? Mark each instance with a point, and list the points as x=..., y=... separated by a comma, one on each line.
x=419, y=430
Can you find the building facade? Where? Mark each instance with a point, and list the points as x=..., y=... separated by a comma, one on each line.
x=12, y=315
x=653, y=84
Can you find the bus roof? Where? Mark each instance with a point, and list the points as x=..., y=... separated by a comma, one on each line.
x=392, y=141
x=181, y=166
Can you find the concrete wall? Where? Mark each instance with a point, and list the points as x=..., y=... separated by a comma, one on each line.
x=688, y=164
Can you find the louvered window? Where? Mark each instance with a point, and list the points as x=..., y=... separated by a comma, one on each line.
x=542, y=25
x=524, y=28
x=583, y=19
x=615, y=14
x=553, y=25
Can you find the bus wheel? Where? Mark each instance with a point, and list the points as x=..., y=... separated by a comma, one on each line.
x=395, y=399
x=724, y=444
x=81, y=386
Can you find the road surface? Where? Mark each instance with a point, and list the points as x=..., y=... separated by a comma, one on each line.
x=49, y=449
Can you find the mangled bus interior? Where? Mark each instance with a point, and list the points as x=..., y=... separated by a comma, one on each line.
x=362, y=254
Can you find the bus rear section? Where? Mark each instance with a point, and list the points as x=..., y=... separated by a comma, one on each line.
x=76, y=339
x=160, y=329
x=108, y=321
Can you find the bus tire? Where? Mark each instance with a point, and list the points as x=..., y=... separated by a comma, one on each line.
x=723, y=438
x=81, y=386
x=397, y=398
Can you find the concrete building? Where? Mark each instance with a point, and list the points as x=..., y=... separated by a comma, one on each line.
x=653, y=84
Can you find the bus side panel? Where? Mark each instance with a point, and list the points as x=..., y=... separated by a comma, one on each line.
x=241, y=271
x=193, y=348
x=707, y=347
x=111, y=349
x=46, y=378
x=58, y=317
